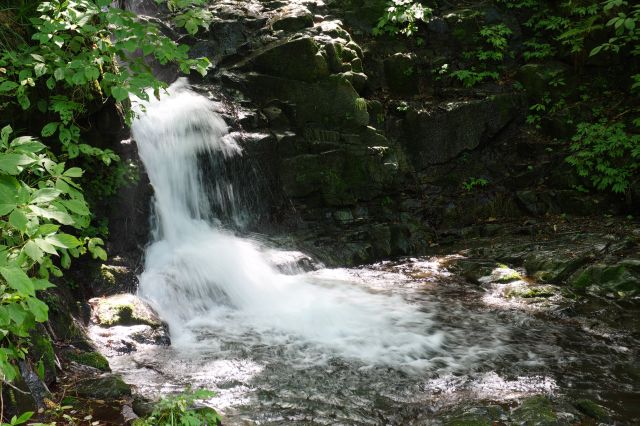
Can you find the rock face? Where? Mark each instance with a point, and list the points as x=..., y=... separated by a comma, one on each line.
x=440, y=135
x=360, y=147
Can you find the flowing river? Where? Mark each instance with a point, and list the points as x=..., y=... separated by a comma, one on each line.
x=392, y=343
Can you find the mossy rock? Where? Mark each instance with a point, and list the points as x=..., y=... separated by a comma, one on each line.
x=474, y=416
x=42, y=351
x=535, y=411
x=91, y=359
x=525, y=291
x=553, y=267
x=621, y=279
x=123, y=309
x=592, y=409
x=104, y=387
x=331, y=103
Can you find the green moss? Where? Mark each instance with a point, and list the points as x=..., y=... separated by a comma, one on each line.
x=42, y=350
x=592, y=409
x=124, y=309
x=91, y=359
x=105, y=387
x=536, y=410
x=107, y=276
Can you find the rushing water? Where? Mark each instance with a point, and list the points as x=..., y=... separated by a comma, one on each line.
x=361, y=346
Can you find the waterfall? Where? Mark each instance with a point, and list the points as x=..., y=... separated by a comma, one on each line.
x=214, y=287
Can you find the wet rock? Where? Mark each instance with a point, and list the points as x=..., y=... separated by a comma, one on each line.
x=618, y=279
x=473, y=270
x=475, y=416
x=438, y=135
x=123, y=309
x=128, y=415
x=523, y=290
x=592, y=410
x=554, y=266
x=104, y=387
x=502, y=274
x=535, y=411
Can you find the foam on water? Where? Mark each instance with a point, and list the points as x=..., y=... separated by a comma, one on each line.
x=206, y=281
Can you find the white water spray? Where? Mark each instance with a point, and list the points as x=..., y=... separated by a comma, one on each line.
x=214, y=288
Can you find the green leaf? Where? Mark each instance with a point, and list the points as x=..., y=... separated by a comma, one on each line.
x=53, y=213
x=59, y=74
x=33, y=251
x=40, y=69
x=4, y=134
x=76, y=206
x=9, y=163
x=41, y=284
x=24, y=417
x=7, y=85
x=19, y=220
x=48, y=228
x=119, y=93
x=27, y=145
x=92, y=73
x=99, y=253
x=74, y=172
x=63, y=240
x=45, y=195
x=49, y=129
x=18, y=280
x=38, y=308
x=6, y=208
x=46, y=246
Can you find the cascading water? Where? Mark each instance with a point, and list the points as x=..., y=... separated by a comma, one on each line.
x=391, y=343
x=205, y=281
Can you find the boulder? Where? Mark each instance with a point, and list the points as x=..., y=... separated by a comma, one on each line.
x=619, y=278
x=292, y=18
x=109, y=386
x=123, y=309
